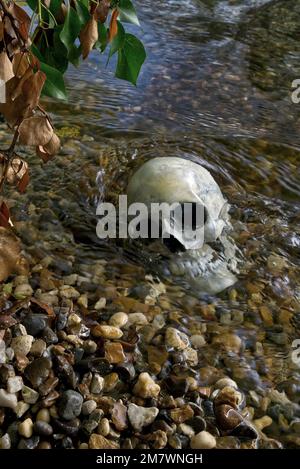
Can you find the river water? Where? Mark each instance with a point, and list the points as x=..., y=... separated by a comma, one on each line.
x=217, y=87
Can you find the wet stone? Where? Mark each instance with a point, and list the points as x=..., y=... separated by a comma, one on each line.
x=227, y=417
x=42, y=428
x=146, y=386
x=35, y=323
x=70, y=404
x=140, y=417
x=22, y=344
x=176, y=339
x=38, y=371
x=203, y=440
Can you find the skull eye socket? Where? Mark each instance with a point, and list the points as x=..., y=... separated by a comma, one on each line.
x=190, y=214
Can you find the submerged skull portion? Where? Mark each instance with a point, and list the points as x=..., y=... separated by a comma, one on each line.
x=206, y=261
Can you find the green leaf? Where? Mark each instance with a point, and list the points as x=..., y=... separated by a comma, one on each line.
x=102, y=38
x=118, y=41
x=55, y=6
x=82, y=11
x=70, y=30
x=130, y=59
x=37, y=52
x=127, y=12
x=54, y=85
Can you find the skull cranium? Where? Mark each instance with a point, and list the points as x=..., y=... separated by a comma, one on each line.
x=174, y=180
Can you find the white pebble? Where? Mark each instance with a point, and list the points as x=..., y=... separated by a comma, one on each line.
x=14, y=384
x=8, y=399
x=203, y=440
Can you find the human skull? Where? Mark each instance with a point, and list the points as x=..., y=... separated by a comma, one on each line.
x=174, y=180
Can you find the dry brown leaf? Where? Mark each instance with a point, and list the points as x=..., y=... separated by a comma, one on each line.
x=35, y=131
x=4, y=215
x=6, y=67
x=113, y=27
x=22, y=18
x=89, y=36
x=9, y=253
x=15, y=108
x=32, y=88
x=18, y=174
x=20, y=64
x=48, y=151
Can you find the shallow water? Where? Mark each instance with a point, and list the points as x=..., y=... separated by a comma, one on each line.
x=216, y=87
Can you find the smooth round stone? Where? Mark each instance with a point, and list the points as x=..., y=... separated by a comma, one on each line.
x=197, y=341
x=140, y=417
x=35, y=323
x=230, y=342
x=146, y=387
x=8, y=399
x=221, y=383
x=14, y=384
x=263, y=422
x=44, y=445
x=88, y=407
x=97, y=384
x=70, y=405
x=38, y=371
x=176, y=339
x=22, y=291
x=137, y=319
x=69, y=292
x=22, y=344
x=203, y=440
x=26, y=428
x=108, y=332
x=43, y=415
x=118, y=320
x=5, y=442
x=227, y=417
x=104, y=427
x=42, y=428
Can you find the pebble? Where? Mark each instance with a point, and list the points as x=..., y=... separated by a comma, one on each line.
x=43, y=415
x=88, y=407
x=197, y=341
x=5, y=442
x=263, y=422
x=100, y=442
x=230, y=342
x=146, y=387
x=203, y=440
x=221, y=383
x=2, y=352
x=181, y=414
x=114, y=352
x=22, y=344
x=42, y=428
x=35, y=323
x=118, y=320
x=29, y=395
x=230, y=396
x=70, y=404
x=38, y=371
x=83, y=300
x=100, y=304
x=140, y=417
x=137, y=320
x=26, y=428
x=21, y=408
x=68, y=292
x=23, y=291
x=176, y=339
x=14, y=384
x=108, y=332
x=7, y=399
x=104, y=427
x=38, y=348
x=227, y=417
x=97, y=384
